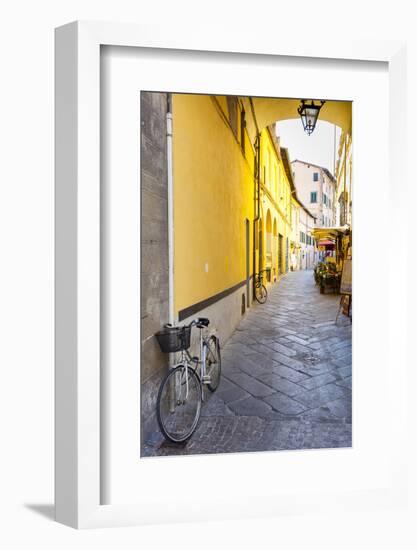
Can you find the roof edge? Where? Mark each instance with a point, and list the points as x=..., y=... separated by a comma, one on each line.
x=326, y=170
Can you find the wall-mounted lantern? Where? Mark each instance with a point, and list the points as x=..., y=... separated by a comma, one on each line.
x=309, y=113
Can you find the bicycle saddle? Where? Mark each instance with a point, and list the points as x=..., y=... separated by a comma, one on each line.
x=203, y=322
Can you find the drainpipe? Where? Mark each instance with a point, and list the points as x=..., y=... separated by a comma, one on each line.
x=256, y=192
x=257, y=202
x=344, y=183
x=170, y=183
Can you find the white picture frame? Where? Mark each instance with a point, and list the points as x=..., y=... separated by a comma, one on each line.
x=78, y=427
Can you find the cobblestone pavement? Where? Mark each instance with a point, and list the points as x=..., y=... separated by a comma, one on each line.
x=286, y=378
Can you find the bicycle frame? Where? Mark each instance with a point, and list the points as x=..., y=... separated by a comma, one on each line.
x=258, y=280
x=259, y=277
x=187, y=360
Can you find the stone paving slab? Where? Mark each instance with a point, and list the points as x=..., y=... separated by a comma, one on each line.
x=250, y=384
x=252, y=367
x=291, y=362
x=321, y=395
x=284, y=404
x=286, y=378
x=317, y=381
x=216, y=406
x=320, y=414
x=301, y=350
x=281, y=384
x=250, y=407
x=343, y=362
x=345, y=372
x=342, y=408
x=322, y=367
x=298, y=340
x=232, y=394
x=276, y=347
x=290, y=374
x=262, y=360
x=346, y=382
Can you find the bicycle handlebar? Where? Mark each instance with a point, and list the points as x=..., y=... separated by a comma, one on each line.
x=200, y=322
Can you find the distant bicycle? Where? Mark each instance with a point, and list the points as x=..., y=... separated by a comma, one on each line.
x=261, y=294
x=181, y=392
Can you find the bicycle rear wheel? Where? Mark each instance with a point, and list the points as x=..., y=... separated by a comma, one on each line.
x=213, y=363
x=179, y=404
x=261, y=294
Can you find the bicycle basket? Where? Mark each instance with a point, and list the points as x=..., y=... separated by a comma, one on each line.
x=173, y=339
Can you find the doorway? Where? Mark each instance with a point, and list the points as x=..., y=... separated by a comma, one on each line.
x=280, y=253
x=247, y=251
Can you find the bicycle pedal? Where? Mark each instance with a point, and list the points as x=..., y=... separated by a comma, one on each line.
x=206, y=379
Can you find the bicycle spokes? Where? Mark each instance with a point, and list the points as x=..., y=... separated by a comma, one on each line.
x=179, y=404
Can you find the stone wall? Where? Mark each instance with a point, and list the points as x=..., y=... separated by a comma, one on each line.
x=154, y=251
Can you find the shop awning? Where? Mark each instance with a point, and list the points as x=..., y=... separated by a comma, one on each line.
x=325, y=243
x=328, y=233
x=339, y=229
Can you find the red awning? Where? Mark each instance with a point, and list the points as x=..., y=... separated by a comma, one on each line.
x=325, y=243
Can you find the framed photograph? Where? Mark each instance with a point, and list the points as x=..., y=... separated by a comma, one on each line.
x=210, y=195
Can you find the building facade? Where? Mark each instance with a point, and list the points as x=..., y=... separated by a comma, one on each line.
x=295, y=235
x=344, y=181
x=316, y=188
x=272, y=247
x=308, y=252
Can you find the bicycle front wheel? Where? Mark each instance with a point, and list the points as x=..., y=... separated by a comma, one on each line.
x=179, y=404
x=261, y=294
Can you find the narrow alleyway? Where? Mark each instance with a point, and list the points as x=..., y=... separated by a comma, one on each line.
x=286, y=380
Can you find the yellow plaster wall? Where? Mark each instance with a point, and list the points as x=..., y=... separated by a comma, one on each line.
x=276, y=198
x=213, y=195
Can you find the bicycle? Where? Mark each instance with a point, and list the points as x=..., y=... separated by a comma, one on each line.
x=261, y=294
x=181, y=392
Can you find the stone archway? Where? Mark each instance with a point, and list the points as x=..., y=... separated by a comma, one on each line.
x=271, y=110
